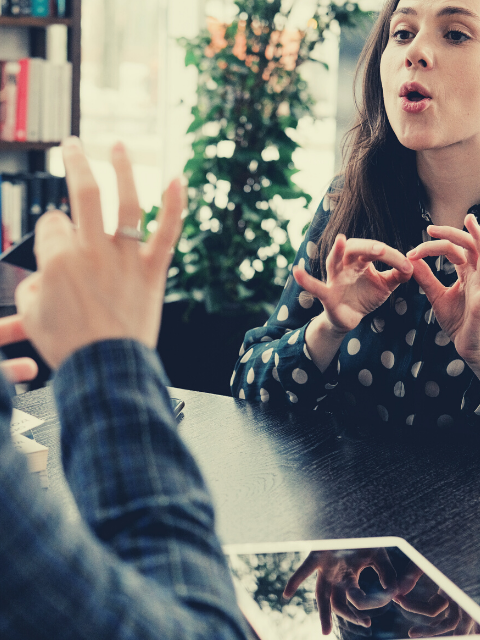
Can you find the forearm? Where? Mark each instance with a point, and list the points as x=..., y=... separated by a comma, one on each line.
x=322, y=341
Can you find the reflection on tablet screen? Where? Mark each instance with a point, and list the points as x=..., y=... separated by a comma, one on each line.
x=352, y=594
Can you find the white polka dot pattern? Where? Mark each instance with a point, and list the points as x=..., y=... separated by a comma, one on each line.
x=410, y=337
x=275, y=374
x=266, y=339
x=401, y=306
x=477, y=410
x=382, y=412
x=233, y=378
x=330, y=386
x=250, y=376
x=455, y=368
x=305, y=351
x=378, y=325
x=241, y=395
x=365, y=377
x=441, y=339
x=429, y=316
x=416, y=369
x=399, y=389
x=294, y=337
x=292, y=397
x=277, y=359
x=264, y=395
x=300, y=376
x=388, y=359
x=306, y=299
x=247, y=356
x=266, y=355
x=242, y=350
x=283, y=313
x=445, y=421
x=311, y=249
x=432, y=390
x=410, y=420
x=301, y=263
x=353, y=346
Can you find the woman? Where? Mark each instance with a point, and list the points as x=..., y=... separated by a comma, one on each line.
x=352, y=325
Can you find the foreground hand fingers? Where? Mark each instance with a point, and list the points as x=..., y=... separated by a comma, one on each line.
x=457, y=237
x=11, y=330
x=19, y=369
x=452, y=252
x=159, y=246
x=308, y=566
x=425, y=278
x=435, y=605
x=323, y=591
x=53, y=234
x=309, y=283
x=26, y=295
x=364, y=251
x=84, y=194
x=129, y=207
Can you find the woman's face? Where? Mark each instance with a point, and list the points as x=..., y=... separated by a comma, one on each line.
x=430, y=72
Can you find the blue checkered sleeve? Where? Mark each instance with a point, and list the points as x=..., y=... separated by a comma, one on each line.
x=143, y=561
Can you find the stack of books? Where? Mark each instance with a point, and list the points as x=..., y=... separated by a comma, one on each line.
x=24, y=197
x=35, y=100
x=38, y=8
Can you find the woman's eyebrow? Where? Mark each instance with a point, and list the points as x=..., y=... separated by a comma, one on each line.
x=446, y=11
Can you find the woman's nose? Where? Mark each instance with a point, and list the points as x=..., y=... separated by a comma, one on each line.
x=419, y=55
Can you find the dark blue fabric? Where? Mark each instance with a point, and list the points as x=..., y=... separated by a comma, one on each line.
x=143, y=560
x=397, y=369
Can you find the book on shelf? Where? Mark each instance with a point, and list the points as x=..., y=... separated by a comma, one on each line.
x=24, y=197
x=35, y=100
x=37, y=8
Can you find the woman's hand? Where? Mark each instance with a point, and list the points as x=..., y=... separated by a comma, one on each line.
x=337, y=586
x=456, y=308
x=17, y=369
x=354, y=288
x=90, y=286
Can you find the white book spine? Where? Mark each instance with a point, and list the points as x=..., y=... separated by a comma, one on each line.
x=34, y=100
x=66, y=101
x=47, y=114
x=16, y=220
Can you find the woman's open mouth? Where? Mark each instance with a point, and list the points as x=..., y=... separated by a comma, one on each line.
x=414, y=97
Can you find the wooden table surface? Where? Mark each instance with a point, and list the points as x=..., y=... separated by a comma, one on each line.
x=279, y=476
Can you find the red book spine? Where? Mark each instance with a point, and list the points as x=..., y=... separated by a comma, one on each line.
x=22, y=100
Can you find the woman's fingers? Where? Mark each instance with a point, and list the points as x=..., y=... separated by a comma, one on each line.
x=453, y=253
x=11, y=330
x=53, y=235
x=309, y=283
x=19, y=369
x=84, y=194
x=129, y=207
x=158, y=249
x=308, y=566
x=341, y=608
x=365, y=251
x=435, y=605
x=383, y=566
x=334, y=261
x=456, y=237
x=323, y=592
x=426, y=279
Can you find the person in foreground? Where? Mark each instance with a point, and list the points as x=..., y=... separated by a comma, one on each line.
x=352, y=326
x=144, y=560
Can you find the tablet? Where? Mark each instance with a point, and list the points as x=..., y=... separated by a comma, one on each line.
x=379, y=588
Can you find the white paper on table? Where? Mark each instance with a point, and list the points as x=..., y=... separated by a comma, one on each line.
x=22, y=422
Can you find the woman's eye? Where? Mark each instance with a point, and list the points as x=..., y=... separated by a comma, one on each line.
x=457, y=36
x=402, y=34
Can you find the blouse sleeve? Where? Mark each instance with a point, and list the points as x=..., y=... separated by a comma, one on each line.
x=274, y=364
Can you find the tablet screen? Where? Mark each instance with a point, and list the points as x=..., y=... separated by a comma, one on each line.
x=348, y=594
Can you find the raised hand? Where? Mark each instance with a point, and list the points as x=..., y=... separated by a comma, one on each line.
x=337, y=587
x=456, y=308
x=90, y=286
x=354, y=288
x=17, y=369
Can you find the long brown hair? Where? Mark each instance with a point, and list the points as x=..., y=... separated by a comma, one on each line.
x=377, y=194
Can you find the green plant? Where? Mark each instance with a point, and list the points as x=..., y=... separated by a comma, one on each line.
x=235, y=254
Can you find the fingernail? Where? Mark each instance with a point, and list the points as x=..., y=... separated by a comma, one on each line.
x=411, y=253
x=377, y=248
x=407, y=267
x=72, y=141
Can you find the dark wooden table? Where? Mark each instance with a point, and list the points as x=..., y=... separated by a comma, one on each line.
x=278, y=476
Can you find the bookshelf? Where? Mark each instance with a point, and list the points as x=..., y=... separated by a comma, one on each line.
x=27, y=37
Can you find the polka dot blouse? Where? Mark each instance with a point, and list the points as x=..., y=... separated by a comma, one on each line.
x=396, y=368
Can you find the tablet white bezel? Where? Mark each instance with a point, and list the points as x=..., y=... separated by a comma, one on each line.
x=451, y=589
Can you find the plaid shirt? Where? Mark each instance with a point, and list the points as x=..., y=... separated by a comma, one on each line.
x=144, y=560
